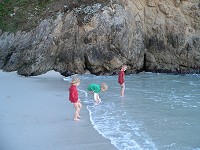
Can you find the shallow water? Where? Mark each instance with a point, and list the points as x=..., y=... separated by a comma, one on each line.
x=158, y=111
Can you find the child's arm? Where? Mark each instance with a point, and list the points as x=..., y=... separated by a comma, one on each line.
x=121, y=78
x=73, y=95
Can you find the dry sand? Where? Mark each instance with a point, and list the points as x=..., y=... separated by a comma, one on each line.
x=35, y=114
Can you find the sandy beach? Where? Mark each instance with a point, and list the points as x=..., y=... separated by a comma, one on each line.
x=35, y=114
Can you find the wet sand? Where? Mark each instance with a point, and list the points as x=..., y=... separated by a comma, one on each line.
x=35, y=114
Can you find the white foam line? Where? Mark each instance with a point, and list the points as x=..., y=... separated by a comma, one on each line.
x=86, y=94
x=117, y=142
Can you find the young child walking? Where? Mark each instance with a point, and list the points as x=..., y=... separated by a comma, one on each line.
x=121, y=79
x=73, y=97
x=96, y=88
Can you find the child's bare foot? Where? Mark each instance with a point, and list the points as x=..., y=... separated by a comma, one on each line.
x=97, y=103
x=76, y=119
x=79, y=117
x=122, y=95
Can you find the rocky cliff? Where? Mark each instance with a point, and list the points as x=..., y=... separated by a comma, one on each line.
x=146, y=35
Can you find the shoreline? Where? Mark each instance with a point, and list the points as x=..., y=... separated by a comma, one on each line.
x=36, y=114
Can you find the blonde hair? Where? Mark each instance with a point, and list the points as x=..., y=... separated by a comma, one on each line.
x=104, y=86
x=124, y=66
x=75, y=80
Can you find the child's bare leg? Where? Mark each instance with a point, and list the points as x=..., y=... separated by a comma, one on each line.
x=122, y=89
x=77, y=110
x=79, y=103
x=80, y=106
x=96, y=98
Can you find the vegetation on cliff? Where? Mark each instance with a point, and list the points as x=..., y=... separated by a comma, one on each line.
x=27, y=14
x=21, y=14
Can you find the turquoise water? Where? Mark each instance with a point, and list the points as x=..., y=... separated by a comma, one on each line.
x=158, y=111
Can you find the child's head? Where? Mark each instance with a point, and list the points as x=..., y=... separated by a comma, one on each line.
x=104, y=87
x=124, y=67
x=75, y=81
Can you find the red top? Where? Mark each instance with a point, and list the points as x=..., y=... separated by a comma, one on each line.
x=73, y=94
x=121, y=77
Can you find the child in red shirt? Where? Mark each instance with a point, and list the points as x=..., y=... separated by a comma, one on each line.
x=121, y=79
x=73, y=97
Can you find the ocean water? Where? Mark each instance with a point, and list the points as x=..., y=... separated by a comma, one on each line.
x=158, y=111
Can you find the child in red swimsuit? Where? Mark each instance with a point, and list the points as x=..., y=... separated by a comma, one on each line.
x=73, y=97
x=121, y=79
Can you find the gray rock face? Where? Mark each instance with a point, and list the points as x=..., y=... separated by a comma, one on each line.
x=150, y=35
x=174, y=34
